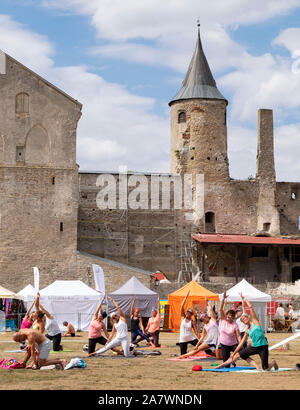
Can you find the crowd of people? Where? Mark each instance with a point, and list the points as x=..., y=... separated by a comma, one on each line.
x=225, y=337
x=281, y=316
x=224, y=334
x=37, y=345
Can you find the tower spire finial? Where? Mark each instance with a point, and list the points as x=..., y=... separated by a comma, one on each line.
x=199, y=81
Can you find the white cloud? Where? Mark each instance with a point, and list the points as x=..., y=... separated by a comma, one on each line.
x=242, y=146
x=290, y=39
x=151, y=19
x=117, y=127
x=170, y=26
x=287, y=152
x=31, y=49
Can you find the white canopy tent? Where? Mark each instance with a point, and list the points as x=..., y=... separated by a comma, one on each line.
x=257, y=298
x=146, y=299
x=28, y=293
x=70, y=300
x=8, y=294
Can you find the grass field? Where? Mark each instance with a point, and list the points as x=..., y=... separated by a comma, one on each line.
x=147, y=373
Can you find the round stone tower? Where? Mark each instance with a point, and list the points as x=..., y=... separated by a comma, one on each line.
x=198, y=123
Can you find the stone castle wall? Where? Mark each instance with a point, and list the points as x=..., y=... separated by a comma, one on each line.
x=146, y=238
x=38, y=178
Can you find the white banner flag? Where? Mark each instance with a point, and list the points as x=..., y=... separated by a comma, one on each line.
x=99, y=278
x=36, y=275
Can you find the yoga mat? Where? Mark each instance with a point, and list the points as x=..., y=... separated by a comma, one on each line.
x=199, y=356
x=150, y=347
x=23, y=351
x=230, y=369
x=110, y=357
x=281, y=369
x=285, y=340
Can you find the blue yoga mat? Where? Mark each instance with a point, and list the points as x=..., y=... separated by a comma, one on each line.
x=230, y=369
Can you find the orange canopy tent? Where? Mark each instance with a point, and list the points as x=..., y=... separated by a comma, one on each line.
x=196, y=297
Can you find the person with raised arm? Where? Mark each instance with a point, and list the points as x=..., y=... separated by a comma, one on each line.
x=119, y=334
x=229, y=334
x=153, y=325
x=29, y=318
x=97, y=328
x=39, y=323
x=259, y=343
x=28, y=321
x=51, y=327
x=210, y=333
x=188, y=329
x=136, y=325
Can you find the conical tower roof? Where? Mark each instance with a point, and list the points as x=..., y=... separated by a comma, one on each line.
x=199, y=81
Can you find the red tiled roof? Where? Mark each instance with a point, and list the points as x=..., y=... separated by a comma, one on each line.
x=254, y=240
x=159, y=276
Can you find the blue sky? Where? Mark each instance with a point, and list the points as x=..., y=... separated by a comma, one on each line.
x=125, y=60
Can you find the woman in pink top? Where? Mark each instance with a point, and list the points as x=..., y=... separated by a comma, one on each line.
x=27, y=322
x=96, y=328
x=28, y=318
x=153, y=325
x=229, y=332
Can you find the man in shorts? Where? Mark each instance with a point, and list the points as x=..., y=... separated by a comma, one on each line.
x=38, y=349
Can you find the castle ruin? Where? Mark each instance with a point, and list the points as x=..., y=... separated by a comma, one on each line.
x=48, y=207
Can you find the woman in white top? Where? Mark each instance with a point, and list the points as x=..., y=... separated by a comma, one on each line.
x=51, y=327
x=209, y=336
x=291, y=313
x=188, y=328
x=119, y=334
x=241, y=325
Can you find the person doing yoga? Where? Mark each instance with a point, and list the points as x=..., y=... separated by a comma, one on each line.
x=188, y=328
x=27, y=322
x=210, y=333
x=119, y=334
x=137, y=327
x=228, y=330
x=50, y=326
x=38, y=349
x=259, y=343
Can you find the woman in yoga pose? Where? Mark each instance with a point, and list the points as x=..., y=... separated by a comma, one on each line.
x=97, y=328
x=229, y=334
x=119, y=334
x=51, y=326
x=28, y=321
x=210, y=333
x=188, y=328
x=137, y=327
x=259, y=343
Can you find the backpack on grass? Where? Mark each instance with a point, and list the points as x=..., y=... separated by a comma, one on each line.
x=11, y=363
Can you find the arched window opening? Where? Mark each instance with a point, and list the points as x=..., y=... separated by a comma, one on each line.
x=181, y=117
x=22, y=104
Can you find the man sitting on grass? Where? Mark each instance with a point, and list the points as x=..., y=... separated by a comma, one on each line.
x=70, y=331
x=39, y=356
